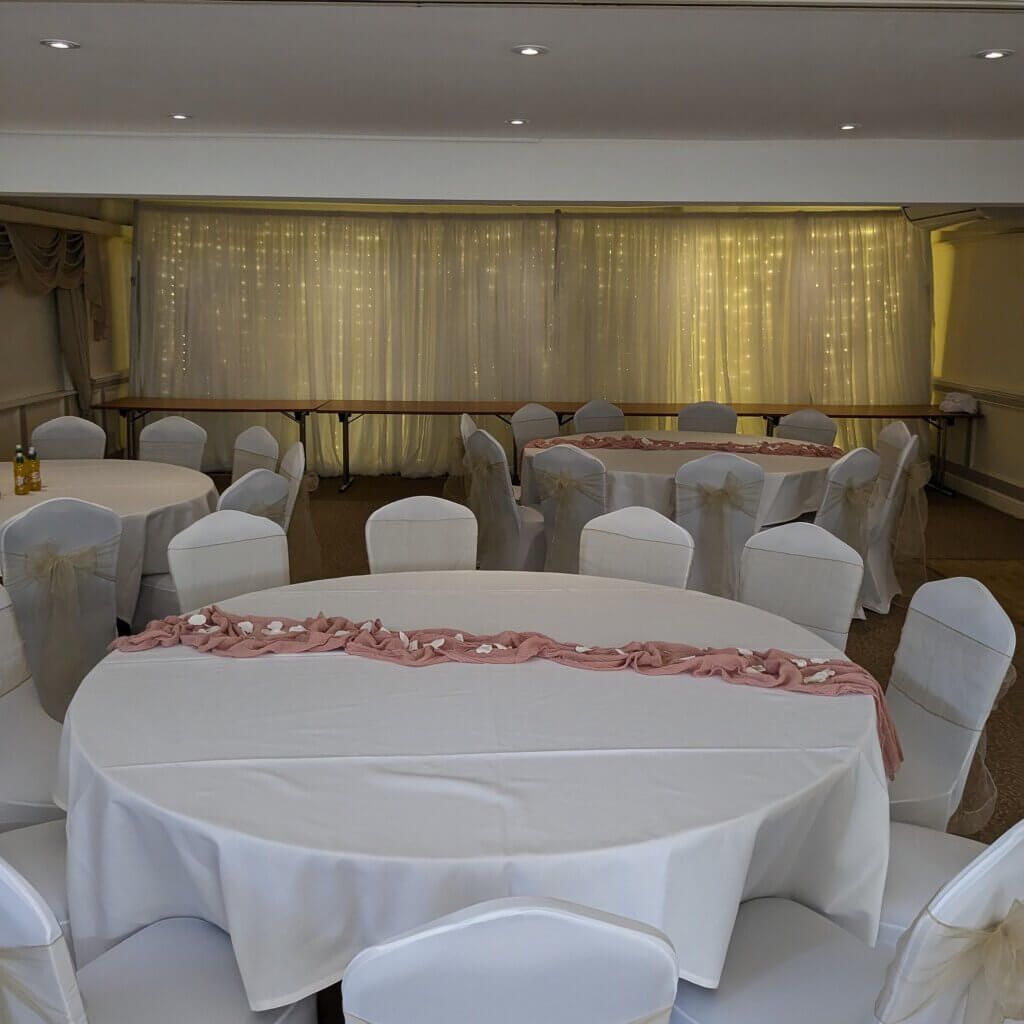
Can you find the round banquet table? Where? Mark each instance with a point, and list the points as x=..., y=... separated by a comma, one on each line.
x=155, y=501
x=793, y=484
x=312, y=804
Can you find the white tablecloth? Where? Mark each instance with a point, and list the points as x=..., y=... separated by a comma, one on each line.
x=155, y=501
x=314, y=804
x=793, y=484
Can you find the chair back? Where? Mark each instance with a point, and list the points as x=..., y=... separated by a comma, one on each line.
x=174, y=440
x=597, y=416
x=226, y=554
x=467, y=427
x=807, y=425
x=492, y=502
x=516, y=960
x=884, y=515
x=804, y=574
x=844, y=507
x=636, y=544
x=37, y=978
x=708, y=418
x=571, y=486
x=717, y=500
x=960, y=962
x=69, y=437
x=419, y=534
x=13, y=666
x=532, y=422
x=890, y=444
x=59, y=564
x=954, y=650
x=293, y=469
x=255, y=448
x=260, y=493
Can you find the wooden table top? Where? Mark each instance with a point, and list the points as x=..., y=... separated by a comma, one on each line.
x=163, y=404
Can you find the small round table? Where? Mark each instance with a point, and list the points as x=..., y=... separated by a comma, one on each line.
x=155, y=501
x=314, y=804
x=793, y=484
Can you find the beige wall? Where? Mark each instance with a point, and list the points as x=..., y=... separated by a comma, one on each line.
x=979, y=325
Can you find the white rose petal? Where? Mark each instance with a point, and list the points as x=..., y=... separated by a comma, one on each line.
x=755, y=668
x=341, y=632
x=818, y=661
x=619, y=650
x=746, y=652
x=403, y=638
x=210, y=629
x=583, y=650
x=438, y=643
x=460, y=638
x=366, y=626
x=800, y=662
x=275, y=626
x=820, y=677
x=484, y=649
x=296, y=629
x=197, y=620
x=245, y=627
x=501, y=647
x=414, y=646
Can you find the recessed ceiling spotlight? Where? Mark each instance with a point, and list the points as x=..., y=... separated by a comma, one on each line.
x=849, y=126
x=517, y=122
x=993, y=54
x=530, y=50
x=60, y=44
x=180, y=117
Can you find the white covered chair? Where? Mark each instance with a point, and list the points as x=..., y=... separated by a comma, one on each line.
x=293, y=469
x=419, y=534
x=516, y=961
x=59, y=564
x=174, y=440
x=179, y=969
x=69, y=437
x=708, y=418
x=807, y=425
x=532, y=422
x=510, y=536
x=598, y=416
x=788, y=965
x=227, y=554
x=890, y=444
x=570, y=484
x=844, y=507
x=260, y=492
x=804, y=574
x=955, y=648
x=636, y=544
x=29, y=738
x=40, y=854
x=717, y=500
x=467, y=427
x=255, y=448
x=881, y=584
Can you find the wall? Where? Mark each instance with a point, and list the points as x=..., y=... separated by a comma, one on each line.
x=979, y=333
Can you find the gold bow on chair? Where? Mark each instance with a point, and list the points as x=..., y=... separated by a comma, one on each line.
x=851, y=521
x=563, y=553
x=273, y=510
x=989, y=962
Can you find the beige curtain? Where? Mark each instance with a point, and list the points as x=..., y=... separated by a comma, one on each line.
x=70, y=263
x=805, y=308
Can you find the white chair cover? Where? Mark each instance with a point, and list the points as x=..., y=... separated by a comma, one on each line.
x=533, y=421
x=255, y=448
x=227, y=554
x=804, y=574
x=174, y=440
x=597, y=416
x=844, y=506
x=962, y=961
x=59, y=563
x=717, y=499
x=954, y=651
x=890, y=444
x=896, y=526
x=807, y=425
x=571, y=486
x=516, y=961
x=510, y=536
x=37, y=977
x=467, y=426
x=29, y=738
x=636, y=544
x=69, y=437
x=419, y=534
x=708, y=418
x=260, y=492
x=39, y=854
x=293, y=469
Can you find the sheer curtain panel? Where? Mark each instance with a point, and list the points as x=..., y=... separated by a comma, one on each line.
x=802, y=308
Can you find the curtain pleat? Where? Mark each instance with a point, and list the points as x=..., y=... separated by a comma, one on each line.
x=803, y=308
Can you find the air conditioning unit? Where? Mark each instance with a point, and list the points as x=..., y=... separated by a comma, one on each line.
x=929, y=217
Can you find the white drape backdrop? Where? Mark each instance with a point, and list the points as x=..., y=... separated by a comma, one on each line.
x=739, y=308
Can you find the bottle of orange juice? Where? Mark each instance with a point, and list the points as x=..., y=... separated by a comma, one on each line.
x=21, y=485
x=35, y=478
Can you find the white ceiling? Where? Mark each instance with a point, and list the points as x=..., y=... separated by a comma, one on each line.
x=446, y=71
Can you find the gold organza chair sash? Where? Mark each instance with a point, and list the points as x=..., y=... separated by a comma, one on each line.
x=490, y=498
x=720, y=570
x=908, y=539
x=845, y=507
x=989, y=962
x=63, y=660
x=565, y=489
x=272, y=510
x=19, y=962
